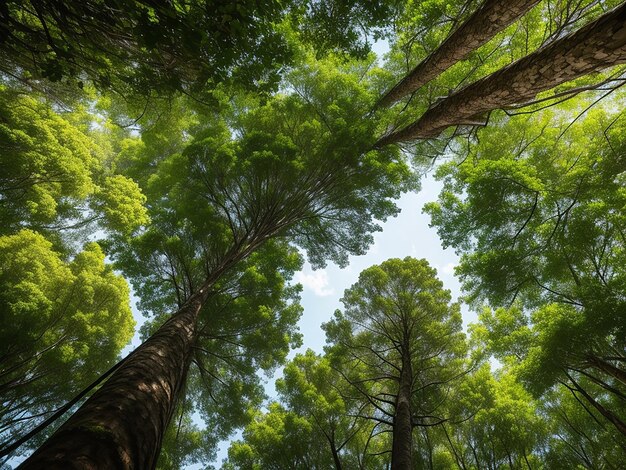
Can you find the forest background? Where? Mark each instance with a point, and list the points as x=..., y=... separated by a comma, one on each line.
x=211, y=153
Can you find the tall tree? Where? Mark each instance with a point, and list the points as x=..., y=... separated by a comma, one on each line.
x=299, y=166
x=578, y=435
x=63, y=323
x=312, y=389
x=501, y=426
x=537, y=209
x=247, y=326
x=596, y=46
x=399, y=344
x=490, y=18
x=279, y=439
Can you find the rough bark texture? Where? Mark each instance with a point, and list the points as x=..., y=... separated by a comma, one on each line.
x=402, y=446
x=593, y=47
x=491, y=18
x=121, y=426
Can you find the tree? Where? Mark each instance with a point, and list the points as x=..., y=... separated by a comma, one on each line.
x=54, y=173
x=596, y=46
x=313, y=390
x=248, y=325
x=301, y=168
x=502, y=426
x=579, y=435
x=149, y=50
x=399, y=344
x=546, y=232
x=490, y=18
x=64, y=322
x=316, y=425
x=278, y=440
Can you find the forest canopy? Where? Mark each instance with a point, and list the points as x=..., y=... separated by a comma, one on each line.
x=203, y=151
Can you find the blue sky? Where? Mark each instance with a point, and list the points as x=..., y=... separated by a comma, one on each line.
x=408, y=234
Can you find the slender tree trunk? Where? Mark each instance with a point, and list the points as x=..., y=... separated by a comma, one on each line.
x=491, y=18
x=402, y=447
x=598, y=45
x=460, y=461
x=336, y=459
x=609, y=415
x=526, y=460
x=121, y=426
x=608, y=368
x=476, y=459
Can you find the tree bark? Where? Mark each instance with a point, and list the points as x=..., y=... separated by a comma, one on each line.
x=491, y=18
x=336, y=458
x=608, y=368
x=402, y=446
x=122, y=425
x=598, y=45
x=609, y=415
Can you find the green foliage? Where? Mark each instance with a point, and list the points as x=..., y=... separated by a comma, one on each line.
x=313, y=421
x=342, y=403
x=47, y=163
x=398, y=327
x=63, y=324
x=120, y=201
x=312, y=389
x=537, y=211
x=578, y=436
x=297, y=166
x=279, y=440
x=140, y=47
x=536, y=217
x=344, y=26
x=525, y=194
x=501, y=427
x=53, y=171
x=149, y=50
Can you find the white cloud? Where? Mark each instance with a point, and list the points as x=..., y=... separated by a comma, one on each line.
x=448, y=268
x=317, y=281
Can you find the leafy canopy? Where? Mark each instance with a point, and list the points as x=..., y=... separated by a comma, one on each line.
x=64, y=323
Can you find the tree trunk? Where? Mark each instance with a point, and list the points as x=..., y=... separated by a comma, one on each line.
x=598, y=45
x=121, y=426
x=608, y=368
x=335, y=452
x=402, y=447
x=609, y=415
x=491, y=18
